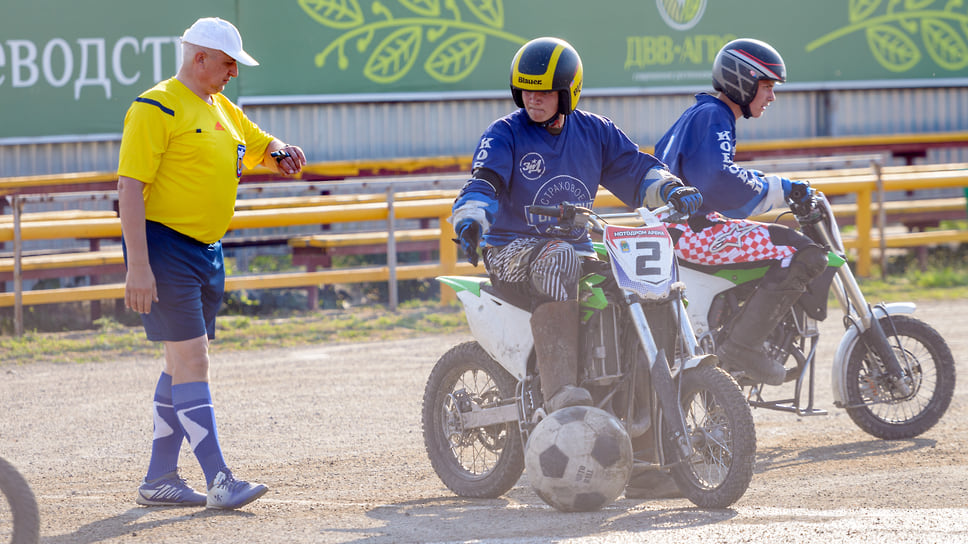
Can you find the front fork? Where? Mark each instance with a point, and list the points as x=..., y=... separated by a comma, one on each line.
x=852, y=300
x=663, y=383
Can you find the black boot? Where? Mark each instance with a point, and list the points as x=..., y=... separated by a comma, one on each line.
x=743, y=349
x=554, y=326
x=652, y=484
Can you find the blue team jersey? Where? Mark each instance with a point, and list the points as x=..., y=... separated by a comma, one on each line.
x=534, y=166
x=700, y=147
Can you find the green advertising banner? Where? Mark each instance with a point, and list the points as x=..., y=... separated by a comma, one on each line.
x=74, y=75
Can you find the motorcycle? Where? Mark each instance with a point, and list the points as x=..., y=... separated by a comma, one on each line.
x=893, y=374
x=21, y=523
x=639, y=359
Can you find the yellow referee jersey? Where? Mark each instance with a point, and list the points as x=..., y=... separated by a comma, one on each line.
x=190, y=155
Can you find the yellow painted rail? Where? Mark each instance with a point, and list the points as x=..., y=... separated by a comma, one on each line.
x=832, y=145
x=437, y=204
x=866, y=186
x=263, y=281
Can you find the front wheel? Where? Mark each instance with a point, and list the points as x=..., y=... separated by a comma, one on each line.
x=720, y=427
x=483, y=462
x=22, y=504
x=872, y=401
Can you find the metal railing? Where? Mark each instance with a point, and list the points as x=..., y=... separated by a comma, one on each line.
x=865, y=183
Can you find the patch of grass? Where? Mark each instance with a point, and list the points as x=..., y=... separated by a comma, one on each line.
x=77, y=347
x=944, y=276
x=113, y=340
x=907, y=289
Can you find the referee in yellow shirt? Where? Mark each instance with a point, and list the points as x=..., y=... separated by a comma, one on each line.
x=182, y=151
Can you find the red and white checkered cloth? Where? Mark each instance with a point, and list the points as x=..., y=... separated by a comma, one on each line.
x=730, y=241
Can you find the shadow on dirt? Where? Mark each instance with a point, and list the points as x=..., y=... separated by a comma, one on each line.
x=128, y=524
x=524, y=519
x=788, y=456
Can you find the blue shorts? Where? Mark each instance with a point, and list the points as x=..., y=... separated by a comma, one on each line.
x=190, y=276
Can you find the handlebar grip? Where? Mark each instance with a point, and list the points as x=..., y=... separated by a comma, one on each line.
x=798, y=193
x=546, y=211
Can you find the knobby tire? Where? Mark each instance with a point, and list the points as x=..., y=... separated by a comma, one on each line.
x=467, y=366
x=870, y=404
x=22, y=503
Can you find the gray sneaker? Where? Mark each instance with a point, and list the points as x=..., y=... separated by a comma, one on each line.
x=169, y=490
x=227, y=493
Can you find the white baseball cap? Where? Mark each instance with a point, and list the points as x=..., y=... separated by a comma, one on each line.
x=220, y=34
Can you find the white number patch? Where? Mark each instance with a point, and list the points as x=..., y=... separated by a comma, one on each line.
x=642, y=259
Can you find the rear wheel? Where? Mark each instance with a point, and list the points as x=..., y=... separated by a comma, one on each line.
x=874, y=403
x=482, y=462
x=720, y=427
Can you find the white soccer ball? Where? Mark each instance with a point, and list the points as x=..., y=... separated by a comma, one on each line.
x=578, y=459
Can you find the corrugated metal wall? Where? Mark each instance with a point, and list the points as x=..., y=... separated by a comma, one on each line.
x=425, y=129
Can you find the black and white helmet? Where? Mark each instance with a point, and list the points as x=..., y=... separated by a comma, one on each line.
x=741, y=64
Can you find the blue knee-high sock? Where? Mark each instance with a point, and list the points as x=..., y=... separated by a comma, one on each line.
x=168, y=432
x=193, y=404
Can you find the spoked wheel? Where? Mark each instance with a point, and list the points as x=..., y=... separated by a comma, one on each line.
x=20, y=505
x=874, y=403
x=720, y=427
x=482, y=462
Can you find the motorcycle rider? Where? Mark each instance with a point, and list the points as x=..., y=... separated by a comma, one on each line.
x=545, y=153
x=700, y=148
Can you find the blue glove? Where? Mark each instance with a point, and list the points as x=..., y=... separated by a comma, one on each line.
x=801, y=192
x=686, y=200
x=469, y=237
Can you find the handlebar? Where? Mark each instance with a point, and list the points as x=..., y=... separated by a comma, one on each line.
x=806, y=210
x=798, y=192
x=571, y=215
x=548, y=211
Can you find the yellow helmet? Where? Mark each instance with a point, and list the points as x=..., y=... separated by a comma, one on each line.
x=547, y=64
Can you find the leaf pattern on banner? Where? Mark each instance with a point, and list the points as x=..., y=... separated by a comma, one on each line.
x=944, y=44
x=916, y=5
x=456, y=57
x=893, y=33
x=680, y=10
x=490, y=12
x=858, y=10
x=427, y=8
x=394, y=56
x=892, y=48
x=400, y=29
x=334, y=13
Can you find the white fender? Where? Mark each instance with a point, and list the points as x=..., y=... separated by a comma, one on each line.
x=697, y=361
x=701, y=289
x=838, y=378
x=502, y=329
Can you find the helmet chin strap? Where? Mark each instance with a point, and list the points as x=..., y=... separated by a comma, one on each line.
x=746, y=111
x=550, y=122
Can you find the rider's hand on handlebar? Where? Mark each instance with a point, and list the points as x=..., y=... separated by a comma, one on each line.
x=686, y=200
x=469, y=237
x=801, y=193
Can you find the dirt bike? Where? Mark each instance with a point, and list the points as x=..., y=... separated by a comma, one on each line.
x=639, y=359
x=21, y=523
x=892, y=373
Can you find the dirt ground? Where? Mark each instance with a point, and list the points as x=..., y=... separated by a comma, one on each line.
x=334, y=431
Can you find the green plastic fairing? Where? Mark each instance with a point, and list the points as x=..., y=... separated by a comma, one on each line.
x=590, y=296
x=471, y=284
